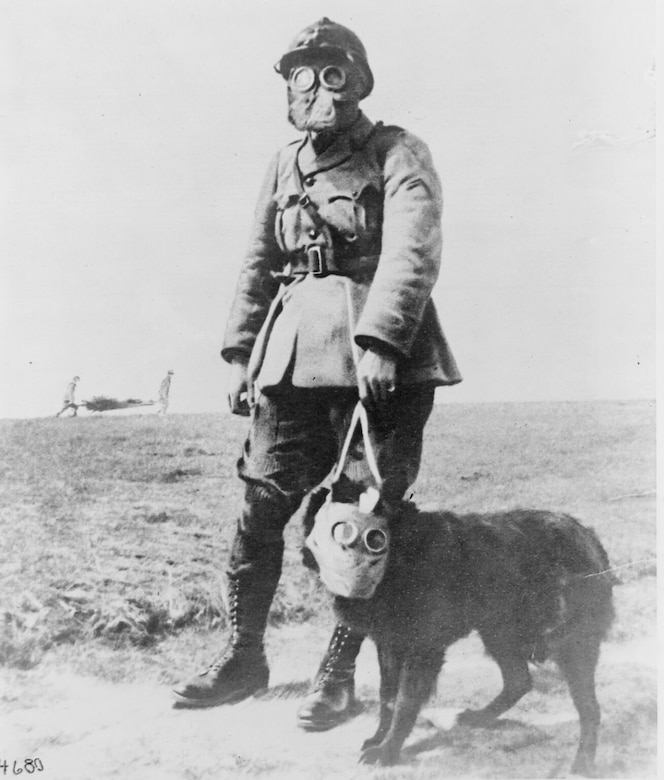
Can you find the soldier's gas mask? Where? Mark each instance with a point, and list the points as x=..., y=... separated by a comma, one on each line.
x=324, y=94
x=328, y=73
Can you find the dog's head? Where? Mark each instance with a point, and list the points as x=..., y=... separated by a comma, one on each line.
x=347, y=530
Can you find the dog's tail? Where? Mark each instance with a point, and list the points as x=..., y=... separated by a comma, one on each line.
x=575, y=597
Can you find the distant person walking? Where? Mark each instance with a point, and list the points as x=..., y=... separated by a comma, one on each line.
x=69, y=400
x=164, y=390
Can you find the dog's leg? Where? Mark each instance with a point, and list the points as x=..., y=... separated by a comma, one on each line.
x=577, y=660
x=416, y=681
x=390, y=661
x=516, y=683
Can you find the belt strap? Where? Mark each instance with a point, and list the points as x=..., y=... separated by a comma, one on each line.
x=319, y=261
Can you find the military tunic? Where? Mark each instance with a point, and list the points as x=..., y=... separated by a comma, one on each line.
x=379, y=200
x=324, y=281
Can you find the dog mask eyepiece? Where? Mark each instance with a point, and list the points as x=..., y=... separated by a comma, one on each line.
x=350, y=547
x=375, y=540
x=344, y=533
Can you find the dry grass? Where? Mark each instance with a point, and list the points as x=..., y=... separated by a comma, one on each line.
x=117, y=529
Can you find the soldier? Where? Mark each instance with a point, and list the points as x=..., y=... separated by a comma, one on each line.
x=69, y=401
x=164, y=390
x=333, y=303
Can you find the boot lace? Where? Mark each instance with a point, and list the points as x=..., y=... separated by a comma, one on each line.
x=330, y=671
x=234, y=640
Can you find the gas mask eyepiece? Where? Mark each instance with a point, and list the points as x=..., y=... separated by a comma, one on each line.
x=346, y=534
x=375, y=540
x=305, y=77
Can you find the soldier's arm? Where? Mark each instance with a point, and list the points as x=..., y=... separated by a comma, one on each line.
x=411, y=249
x=256, y=287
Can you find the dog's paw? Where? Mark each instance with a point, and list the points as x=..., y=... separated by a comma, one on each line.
x=378, y=755
x=474, y=718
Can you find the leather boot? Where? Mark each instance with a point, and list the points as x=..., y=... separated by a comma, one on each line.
x=241, y=668
x=332, y=697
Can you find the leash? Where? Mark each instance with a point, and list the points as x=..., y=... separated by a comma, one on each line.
x=359, y=416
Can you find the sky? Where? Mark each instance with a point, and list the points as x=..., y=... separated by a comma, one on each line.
x=134, y=136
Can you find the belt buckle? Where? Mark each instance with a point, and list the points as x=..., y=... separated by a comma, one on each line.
x=316, y=260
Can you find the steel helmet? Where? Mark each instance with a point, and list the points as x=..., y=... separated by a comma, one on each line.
x=327, y=35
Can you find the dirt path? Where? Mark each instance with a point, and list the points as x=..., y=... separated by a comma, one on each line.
x=85, y=729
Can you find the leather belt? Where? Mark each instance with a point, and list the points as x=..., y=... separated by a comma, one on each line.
x=317, y=260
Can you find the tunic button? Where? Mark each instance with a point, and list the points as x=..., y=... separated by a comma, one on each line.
x=313, y=233
x=309, y=181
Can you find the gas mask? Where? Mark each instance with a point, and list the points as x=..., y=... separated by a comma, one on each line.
x=324, y=95
x=350, y=539
x=350, y=543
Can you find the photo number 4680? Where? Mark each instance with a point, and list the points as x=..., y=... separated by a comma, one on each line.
x=28, y=765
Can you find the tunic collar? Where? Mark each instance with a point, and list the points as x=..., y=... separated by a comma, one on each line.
x=339, y=151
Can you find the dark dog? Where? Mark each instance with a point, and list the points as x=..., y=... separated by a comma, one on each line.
x=534, y=584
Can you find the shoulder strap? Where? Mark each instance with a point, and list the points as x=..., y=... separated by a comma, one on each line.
x=305, y=201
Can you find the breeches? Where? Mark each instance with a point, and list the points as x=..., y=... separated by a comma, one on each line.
x=296, y=437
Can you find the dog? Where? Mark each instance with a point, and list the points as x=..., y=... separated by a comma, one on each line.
x=534, y=584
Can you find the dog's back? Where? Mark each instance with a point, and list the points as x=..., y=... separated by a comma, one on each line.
x=540, y=571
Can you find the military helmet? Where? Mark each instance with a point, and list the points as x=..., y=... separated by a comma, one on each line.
x=327, y=35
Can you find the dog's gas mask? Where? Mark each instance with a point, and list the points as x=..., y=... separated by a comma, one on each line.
x=350, y=544
x=350, y=537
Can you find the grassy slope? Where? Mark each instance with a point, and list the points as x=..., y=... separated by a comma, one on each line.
x=115, y=531
x=118, y=527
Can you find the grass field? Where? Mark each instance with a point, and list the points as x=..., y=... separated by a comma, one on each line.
x=116, y=530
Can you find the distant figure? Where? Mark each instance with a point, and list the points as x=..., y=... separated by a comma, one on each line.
x=164, y=390
x=69, y=400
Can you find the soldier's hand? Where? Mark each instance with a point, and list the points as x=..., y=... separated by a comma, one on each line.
x=240, y=390
x=376, y=376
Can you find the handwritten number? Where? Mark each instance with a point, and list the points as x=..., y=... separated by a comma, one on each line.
x=30, y=765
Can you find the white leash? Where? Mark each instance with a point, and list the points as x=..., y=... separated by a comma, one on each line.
x=359, y=413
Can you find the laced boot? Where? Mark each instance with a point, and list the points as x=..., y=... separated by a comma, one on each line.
x=240, y=670
x=332, y=697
